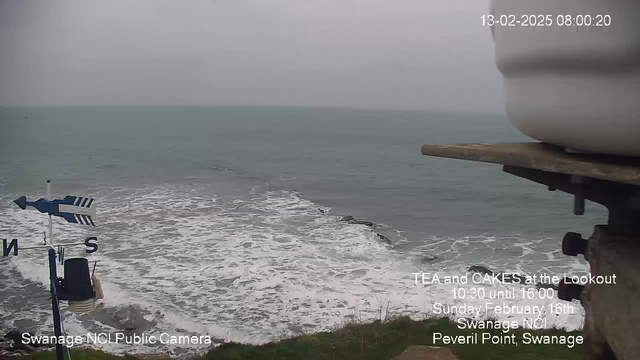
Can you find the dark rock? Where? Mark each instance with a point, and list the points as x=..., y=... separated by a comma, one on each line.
x=480, y=269
x=360, y=222
x=429, y=258
x=351, y=220
x=384, y=238
x=322, y=211
x=14, y=335
x=217, y=340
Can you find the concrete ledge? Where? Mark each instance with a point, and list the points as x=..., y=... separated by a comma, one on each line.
x=543, y=157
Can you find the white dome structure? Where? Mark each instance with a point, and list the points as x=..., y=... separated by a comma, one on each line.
x=571, y=71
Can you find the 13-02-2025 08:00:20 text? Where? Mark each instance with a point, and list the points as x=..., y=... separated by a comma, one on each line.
x=595, y=21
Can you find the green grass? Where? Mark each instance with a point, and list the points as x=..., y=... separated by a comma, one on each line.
x=372, y=341
x=383, y=341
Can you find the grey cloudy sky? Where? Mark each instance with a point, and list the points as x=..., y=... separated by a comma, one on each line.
x=354, y=53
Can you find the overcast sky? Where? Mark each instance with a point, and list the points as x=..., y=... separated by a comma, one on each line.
x=346, y=53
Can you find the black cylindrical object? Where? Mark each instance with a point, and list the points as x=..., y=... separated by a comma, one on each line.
x=573, y=244
x=569, y=291
x=77, y=280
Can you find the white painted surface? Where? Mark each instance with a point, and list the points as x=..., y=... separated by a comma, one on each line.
x=574, y=87
x=79, y=210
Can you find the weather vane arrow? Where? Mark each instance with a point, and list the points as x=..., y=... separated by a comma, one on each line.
x=74, y=209
x=77, y=287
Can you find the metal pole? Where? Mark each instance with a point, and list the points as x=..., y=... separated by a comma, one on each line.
x=50, y=220
x=57, y=326
x=53, y=276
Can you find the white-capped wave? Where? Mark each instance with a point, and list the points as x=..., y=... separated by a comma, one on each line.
x=246, y=269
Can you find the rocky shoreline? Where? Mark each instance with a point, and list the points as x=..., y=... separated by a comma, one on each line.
x=11, y=345
x=351, y=220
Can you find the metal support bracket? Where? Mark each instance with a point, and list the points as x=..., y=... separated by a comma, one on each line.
x=622, y=200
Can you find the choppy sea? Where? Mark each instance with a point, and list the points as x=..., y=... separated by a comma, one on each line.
x=226, y=221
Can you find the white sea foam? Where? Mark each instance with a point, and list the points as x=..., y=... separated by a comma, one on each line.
x=250, y=269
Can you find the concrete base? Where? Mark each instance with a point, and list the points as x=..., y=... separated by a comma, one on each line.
x=612, y=322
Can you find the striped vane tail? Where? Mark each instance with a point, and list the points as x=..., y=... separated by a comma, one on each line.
x=79, y=219
x=83, y=201
x=85, y=220
x=81, y=210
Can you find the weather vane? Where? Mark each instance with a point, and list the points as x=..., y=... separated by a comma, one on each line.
x=76, y=287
